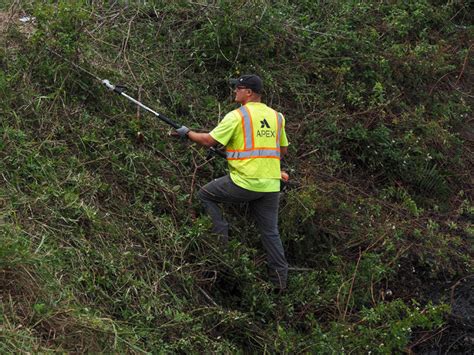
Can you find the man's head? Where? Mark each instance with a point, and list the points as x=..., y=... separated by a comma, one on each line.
x=247, y=88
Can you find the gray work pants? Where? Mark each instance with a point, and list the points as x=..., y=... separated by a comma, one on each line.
x=264, y=208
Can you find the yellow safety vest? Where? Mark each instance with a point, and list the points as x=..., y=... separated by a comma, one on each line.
x=259, y=156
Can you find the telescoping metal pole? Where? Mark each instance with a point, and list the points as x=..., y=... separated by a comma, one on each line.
x=121, y=91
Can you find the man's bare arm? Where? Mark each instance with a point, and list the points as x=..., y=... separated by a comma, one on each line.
x=204, y=139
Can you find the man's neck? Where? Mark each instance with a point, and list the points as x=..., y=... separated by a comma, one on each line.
x=251, y=100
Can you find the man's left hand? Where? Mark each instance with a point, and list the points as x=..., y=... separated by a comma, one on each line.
x=183, y=131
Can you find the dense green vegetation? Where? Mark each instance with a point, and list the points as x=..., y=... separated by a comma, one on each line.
x=103, y=245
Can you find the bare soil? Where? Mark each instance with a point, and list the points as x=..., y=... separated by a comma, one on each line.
x=8, y=18
x=458, y=336
x=4, y=20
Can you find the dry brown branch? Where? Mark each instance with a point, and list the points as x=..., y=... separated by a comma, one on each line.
x=193, y=179
x=424, y=339
x=352, y=286
x=207, y=296
x=464, y=65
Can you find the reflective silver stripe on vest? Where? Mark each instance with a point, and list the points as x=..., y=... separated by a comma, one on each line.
x=247, y=127
x=255, y=153
x=280, y=123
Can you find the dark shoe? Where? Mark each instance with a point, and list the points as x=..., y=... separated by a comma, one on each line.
x=278, y=291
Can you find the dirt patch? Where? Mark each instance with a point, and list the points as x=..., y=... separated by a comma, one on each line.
x=463, y=302
x=24, y=23
x=458, y=336
x=20, y=292
x=4, y=21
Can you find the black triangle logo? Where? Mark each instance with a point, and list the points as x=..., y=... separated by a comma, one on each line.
x=264, y=124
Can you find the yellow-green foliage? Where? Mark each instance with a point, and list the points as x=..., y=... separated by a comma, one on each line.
x=103, y=244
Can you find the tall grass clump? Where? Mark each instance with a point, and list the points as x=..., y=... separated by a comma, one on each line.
x=104, y=246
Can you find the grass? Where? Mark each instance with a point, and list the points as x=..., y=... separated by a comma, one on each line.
x=105, y=248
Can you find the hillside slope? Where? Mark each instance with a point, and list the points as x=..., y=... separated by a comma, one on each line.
x=104, y=246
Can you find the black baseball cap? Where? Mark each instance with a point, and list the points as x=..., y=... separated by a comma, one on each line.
x=251, y=81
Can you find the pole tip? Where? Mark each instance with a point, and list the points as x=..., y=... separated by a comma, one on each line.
x=108, y=84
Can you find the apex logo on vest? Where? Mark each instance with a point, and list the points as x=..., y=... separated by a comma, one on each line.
x=265, y=132
x=264, y=124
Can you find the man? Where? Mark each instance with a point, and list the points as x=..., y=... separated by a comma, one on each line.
x=255, y=140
